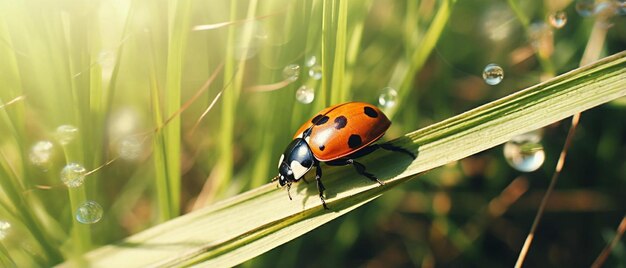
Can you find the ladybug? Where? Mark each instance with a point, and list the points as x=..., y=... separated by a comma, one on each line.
x=335, y=136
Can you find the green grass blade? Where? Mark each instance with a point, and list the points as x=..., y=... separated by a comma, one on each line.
x=254, y=222
x=420, y=55
x=158, y=156
x=327, y=54
x=179, y=25
x=339, y=65
x=5, y=259
x=544, y=60
x=229, y=106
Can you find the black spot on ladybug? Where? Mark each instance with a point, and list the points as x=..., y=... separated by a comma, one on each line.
x=369, y=111
x=340, y=122
x=322, y=147
x=319, y=119
x=354, y=141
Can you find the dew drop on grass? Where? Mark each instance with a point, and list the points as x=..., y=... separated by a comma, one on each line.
x=493, y=74
x=89, y=212
x=316, y=72
x=558, y=19
x=388, y=97
x=291, y=72
x=585, y=8
x=305, y=94
x=66, y=133
x=311, y=61
x=525, y=152
x=129, y=148
x=41, y=153
x=73, y=175
x=5, y=227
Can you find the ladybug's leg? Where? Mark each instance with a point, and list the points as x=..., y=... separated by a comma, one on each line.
x=371, y=148
x=288, y=191
x=320, y=186
x=390, y=147
x=360, y=168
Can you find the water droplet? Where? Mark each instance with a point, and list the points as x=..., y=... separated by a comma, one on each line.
x=388, y=97
x=291, y=72
x=5, y=227
x=73, y=175
x=558, y=19
x=89, y=212
x=316, y=72
x=525, y=152
x=124, y=121
x=311, y=61
x=41, y=153
x=305, y=94
x=130, y=148
x=585, y=8
x=493, y=74
x=66, y=133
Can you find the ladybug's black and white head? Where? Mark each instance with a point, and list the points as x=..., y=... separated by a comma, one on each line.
x=296, y=161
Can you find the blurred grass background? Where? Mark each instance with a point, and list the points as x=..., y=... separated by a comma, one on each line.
x=119, y=71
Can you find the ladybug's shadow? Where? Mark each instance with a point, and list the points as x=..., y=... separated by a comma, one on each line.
x=383, y=163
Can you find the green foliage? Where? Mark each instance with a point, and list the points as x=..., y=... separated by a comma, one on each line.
x=136, y=78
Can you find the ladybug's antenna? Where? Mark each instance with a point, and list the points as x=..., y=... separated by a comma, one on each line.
x=275, y=178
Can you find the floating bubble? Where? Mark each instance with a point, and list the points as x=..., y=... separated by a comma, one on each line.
x=291, y=72
x=525, y=152
x=73, y=175
x=493, y=74
x=130, y=148
x=5, y=227
x=388, y=97
x=41, y=153
x=311, y=61
x=66, y=133
x=305, y=94
x=89, y=212
x=585, y=8
x=558, y=19
x=316, y=72
x=124, y=121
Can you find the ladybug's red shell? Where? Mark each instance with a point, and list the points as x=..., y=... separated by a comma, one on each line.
x=340, y=130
